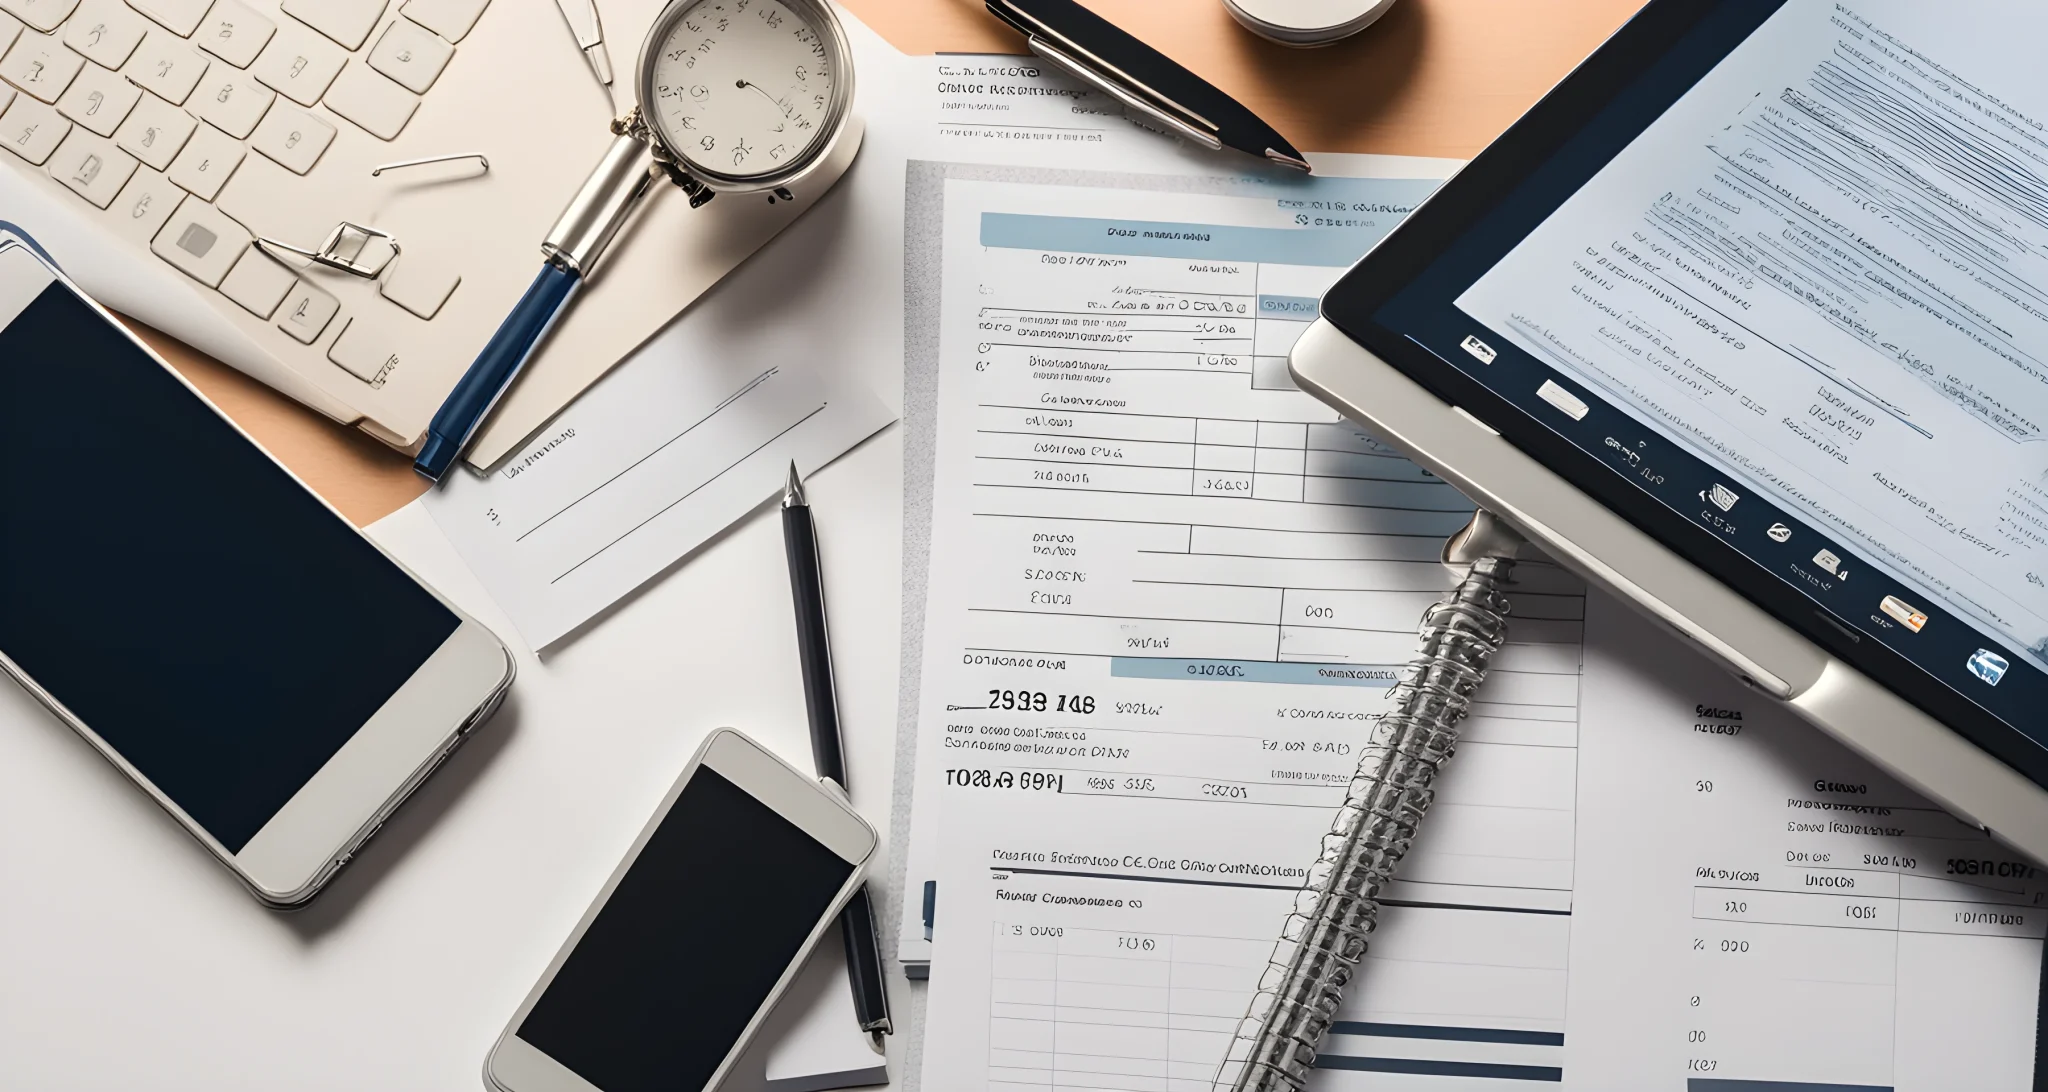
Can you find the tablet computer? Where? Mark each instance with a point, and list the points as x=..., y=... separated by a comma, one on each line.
x=1747, y=321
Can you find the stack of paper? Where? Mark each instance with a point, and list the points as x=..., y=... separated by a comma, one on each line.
x=1155, y=597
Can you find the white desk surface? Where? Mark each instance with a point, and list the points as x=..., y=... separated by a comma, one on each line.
x=129, y=959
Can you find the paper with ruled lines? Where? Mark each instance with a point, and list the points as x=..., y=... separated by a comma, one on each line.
x=646, y=467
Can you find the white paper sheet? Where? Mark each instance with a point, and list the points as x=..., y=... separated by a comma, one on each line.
x=647, y=467
x=1752, y=909
x=1755, y=903
x=1158, y=519
x=1168, y=590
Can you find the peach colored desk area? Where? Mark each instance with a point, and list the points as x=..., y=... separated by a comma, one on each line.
x=1432, y=78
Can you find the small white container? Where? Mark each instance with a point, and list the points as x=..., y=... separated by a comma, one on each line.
x=1307, y=23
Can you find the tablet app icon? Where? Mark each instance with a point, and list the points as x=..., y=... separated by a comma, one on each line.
x=1828, y=560
x=1723, y=497
x=1988, y=665
x=1779, y=532
x=1478, y=348
x=1904, y=613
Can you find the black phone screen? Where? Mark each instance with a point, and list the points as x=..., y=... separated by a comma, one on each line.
x=687, y=948
x=177, y=590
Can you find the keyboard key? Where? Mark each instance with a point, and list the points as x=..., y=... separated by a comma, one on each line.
x=207, y=161
x=31, y=130
x=346, y=21
x=365, y=352
x=371, y=101
x=292, y=138
x=232, y=101
x=145, y=203
x=99, y=99
x=271, y=202
x=451, y=19
x=165, y=65
x=307, y=311
x=6, y=96
x=106, y=31
x=299, y=64
x=44, y=15
x=180, y=17
x=91, y=167
x=40, y=65
x=234, y=33
x=10, y=29
x=419, y=284
x=258, y=283
x=155, y=131
x=411, y=55
x=200, y=242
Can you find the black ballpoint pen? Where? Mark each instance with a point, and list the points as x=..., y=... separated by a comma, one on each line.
x=1152, y=89
x=821, y=698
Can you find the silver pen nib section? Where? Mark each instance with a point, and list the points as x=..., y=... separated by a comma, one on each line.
x=1286, y=160
x=1325, y=936
x=793, y=493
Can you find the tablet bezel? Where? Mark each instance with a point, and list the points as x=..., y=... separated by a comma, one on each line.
x=1599, y=88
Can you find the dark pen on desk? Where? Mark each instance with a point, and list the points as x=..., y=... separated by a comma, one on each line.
x=1153, y=90
x=821, y=698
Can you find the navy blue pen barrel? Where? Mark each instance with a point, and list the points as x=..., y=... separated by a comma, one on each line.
x=495, y=368
x=814, y=649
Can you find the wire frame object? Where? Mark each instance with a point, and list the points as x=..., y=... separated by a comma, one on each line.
x=1325, y=935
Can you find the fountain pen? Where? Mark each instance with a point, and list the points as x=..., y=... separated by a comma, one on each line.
x=1153, y=90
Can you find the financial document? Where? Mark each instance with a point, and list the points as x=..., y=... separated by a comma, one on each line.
x=1827, y=267
x=647, y=466
x=1167, y=593
x=1760, y=910
x=1164, y=595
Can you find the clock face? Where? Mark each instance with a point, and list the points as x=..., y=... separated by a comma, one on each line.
x=743, y=88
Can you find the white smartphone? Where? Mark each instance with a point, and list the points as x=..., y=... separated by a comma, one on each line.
x=228, y=641
x=671, y=971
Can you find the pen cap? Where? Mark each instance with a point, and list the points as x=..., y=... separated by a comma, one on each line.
x=1307, y=22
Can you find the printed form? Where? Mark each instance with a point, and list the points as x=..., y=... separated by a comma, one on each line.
x=1167, y=593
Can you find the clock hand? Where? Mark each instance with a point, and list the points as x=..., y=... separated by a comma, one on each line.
x=757, y=88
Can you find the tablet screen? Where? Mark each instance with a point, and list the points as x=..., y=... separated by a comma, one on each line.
x=1785, y=272
x=197, y=608
x=1825, y=271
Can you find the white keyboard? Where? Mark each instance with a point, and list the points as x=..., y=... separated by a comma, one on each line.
x=185, y=129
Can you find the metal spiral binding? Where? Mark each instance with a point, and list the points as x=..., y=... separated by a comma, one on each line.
x=1325, y=936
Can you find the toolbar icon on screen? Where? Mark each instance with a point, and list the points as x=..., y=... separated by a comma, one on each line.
x=1988, y=665
x=1906, y=614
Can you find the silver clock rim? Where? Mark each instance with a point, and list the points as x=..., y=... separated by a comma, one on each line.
x=825, y=22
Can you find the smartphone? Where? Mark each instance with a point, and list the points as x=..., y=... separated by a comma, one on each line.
x=234, y=646
x=671, y=971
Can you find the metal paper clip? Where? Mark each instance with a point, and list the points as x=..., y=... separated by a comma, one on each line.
x=342, y=249
x=403, y=163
